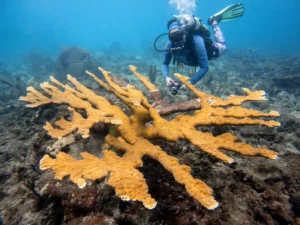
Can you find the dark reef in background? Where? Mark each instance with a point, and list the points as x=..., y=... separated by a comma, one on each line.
x=11, y=87
x=38, y=64
x=75, y=61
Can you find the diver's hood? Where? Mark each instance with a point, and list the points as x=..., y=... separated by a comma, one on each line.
x=176, y=34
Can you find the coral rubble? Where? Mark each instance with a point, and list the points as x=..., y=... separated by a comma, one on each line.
x=134, y=134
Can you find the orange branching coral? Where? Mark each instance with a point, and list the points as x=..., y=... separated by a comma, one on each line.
x=135, y=134
x=128, y=181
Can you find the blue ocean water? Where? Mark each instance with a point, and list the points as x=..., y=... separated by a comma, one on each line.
x=269, y=26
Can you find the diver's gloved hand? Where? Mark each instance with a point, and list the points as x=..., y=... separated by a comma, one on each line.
x=169, y=81
x=212, y=20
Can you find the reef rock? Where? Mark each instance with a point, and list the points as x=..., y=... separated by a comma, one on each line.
x=75, y=60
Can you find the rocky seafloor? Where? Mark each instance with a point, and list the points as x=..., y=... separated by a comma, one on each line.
x=253, y=190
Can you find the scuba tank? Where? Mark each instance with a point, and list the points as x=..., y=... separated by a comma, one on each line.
x=193, y=25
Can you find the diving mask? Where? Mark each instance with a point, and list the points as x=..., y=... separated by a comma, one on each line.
x=176, y=35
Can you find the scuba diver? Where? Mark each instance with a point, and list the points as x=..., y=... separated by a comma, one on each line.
x=190, y=44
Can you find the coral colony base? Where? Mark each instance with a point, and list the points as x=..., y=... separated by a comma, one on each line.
x=134, y=136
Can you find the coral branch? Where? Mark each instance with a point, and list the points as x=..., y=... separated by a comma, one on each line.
x=90, y=167
x=196, y=188
x=210, y=144
x=82, y=98
x=35, y=98
x=232, y=100
x=155, y=93
x=144, y=80
x=134, y=133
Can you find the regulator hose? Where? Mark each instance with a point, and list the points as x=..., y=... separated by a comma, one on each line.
x=156, y=41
